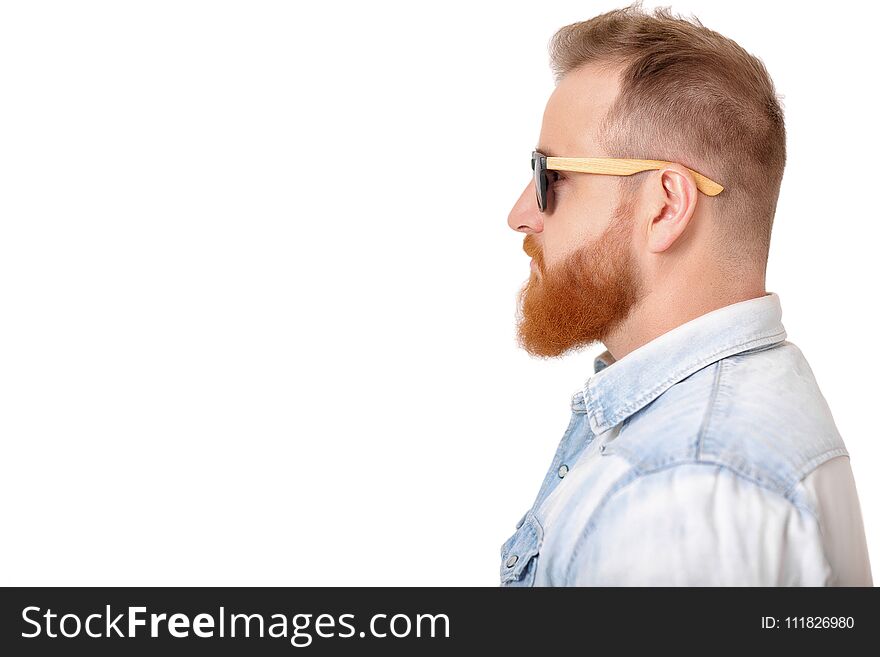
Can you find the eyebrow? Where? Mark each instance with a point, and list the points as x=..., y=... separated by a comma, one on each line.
x=546, y=151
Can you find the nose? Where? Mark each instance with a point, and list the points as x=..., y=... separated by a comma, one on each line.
x=525, y=217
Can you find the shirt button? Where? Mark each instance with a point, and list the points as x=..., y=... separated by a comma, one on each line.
x=563, y=470
x=511, y=560
x=602, y=449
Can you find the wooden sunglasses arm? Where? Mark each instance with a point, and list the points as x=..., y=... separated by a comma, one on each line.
x=624, y=167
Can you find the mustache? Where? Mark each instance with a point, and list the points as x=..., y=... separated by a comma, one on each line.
x=531, y=250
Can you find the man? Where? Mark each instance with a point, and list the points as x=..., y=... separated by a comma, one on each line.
x=700, y=451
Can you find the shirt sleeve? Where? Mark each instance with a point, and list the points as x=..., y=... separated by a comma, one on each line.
x=831, y=490
x=698, y=525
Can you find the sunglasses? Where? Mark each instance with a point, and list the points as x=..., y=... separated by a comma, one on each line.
x=610, y=166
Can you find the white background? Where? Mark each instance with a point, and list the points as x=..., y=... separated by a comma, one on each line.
x=258, y=291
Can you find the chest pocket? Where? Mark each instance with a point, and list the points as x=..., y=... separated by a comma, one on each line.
x=519, y=553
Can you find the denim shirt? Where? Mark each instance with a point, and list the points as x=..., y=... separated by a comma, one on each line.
x=706, y=457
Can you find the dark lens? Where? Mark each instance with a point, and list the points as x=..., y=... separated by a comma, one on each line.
x=540, y=180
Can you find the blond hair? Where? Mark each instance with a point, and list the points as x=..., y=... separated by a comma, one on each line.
x=688, y=95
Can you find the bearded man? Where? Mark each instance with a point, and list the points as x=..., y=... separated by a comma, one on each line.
x=700, y=450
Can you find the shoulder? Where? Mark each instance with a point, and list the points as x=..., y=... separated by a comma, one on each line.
x=697, y=524
x=760, y=414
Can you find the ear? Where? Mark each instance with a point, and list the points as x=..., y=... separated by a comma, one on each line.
x=677, y=198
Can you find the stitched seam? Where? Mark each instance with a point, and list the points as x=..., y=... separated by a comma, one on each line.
x=810, y=465
x=600, y=415
x=710, y=406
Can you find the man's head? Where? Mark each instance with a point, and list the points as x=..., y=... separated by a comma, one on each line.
x=609, y=249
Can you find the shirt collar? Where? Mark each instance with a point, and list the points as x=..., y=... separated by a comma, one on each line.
x=619, y=388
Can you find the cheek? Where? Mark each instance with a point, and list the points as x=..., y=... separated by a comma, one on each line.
x=579, y=218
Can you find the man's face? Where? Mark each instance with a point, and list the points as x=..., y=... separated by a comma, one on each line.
x=585, y=277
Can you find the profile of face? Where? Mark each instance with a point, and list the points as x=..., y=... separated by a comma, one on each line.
x=585, y=277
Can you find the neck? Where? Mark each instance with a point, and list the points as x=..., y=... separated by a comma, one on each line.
x=663, y=310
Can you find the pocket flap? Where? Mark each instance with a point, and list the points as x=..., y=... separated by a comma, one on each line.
x=520, y=548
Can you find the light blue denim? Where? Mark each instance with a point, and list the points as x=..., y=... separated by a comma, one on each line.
x=720, y=401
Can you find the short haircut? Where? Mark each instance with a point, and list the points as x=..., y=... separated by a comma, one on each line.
x=688, y=95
